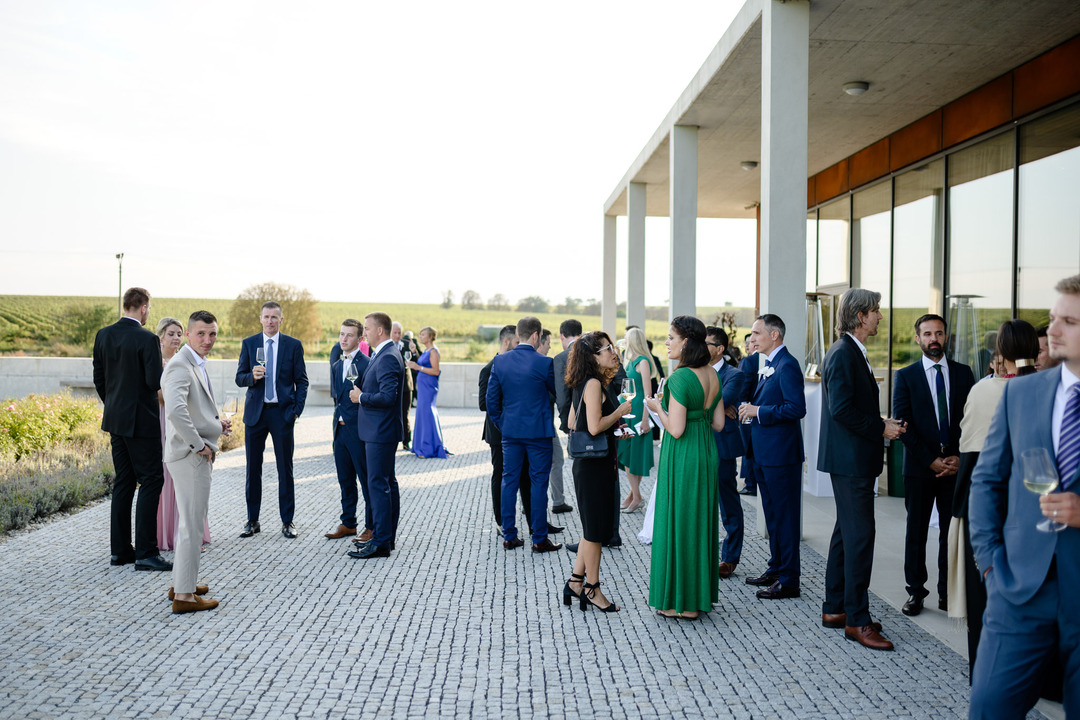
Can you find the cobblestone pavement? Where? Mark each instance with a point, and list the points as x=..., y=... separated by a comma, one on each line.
x=451, y=625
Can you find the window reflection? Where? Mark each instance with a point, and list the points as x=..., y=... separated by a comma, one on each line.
x=871, y=264
x=833, y=242
x=811, y=251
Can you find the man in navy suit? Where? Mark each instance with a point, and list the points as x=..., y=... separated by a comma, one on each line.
x=749, y=368
x=349, y=456
x=519, y=396
x=851, y=449
x=1032, y=577
x=929, y=395
x=729, y=447
x=778, y=406
x=379, y=427
x=271, y=408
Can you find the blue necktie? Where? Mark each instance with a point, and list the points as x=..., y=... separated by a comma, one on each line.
x=1068, y=454
x=942, y=408
x=270, y=396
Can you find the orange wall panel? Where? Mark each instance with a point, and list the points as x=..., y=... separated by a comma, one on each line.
x=1053, y=76
x=920, y=139
x=869, y=163
x=832, y=181
x=980, y=110
x=811, y=191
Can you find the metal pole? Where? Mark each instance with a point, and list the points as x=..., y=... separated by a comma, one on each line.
x=120, y=284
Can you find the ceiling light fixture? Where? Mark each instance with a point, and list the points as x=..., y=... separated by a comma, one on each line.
x=748, y=164
x=856, y=88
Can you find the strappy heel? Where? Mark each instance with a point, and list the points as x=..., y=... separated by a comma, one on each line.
x=568, y=595
x=588, y=592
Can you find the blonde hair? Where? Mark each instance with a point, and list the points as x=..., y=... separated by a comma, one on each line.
x=636, y=346
x=430, y=331
x=164, y=324
x=1069, y=285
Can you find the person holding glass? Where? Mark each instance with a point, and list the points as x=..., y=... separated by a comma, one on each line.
x=589, y=369
x=427, y=431
x=684, y=575
x=1032, y=576
x=636, y=452
x=171, y=334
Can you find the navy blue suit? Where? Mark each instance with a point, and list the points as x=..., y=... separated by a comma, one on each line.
x=1032, y=578
x=913, y=402
x=851, y=448
x=729, y=447
x=379, y=426
x=349, y=455
x=275, y=420
x=777, y=435
x=749, y=368
x=519, y=396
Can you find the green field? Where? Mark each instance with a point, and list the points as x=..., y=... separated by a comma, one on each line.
x=35, y=325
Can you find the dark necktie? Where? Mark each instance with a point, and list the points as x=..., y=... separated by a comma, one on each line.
x=1068, y=454
x=270, y=396
x=942, y=408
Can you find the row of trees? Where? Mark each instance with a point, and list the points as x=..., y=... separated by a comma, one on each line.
x=471, y=300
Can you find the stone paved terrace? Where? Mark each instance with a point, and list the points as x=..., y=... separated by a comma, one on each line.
x=451, y=626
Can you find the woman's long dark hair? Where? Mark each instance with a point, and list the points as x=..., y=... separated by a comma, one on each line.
x=695, y=352
x=582, y=366
x=1017, y=341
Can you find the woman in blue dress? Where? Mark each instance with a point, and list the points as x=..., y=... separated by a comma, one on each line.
x=427, y=432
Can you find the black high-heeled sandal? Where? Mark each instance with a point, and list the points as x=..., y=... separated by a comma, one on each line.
x=567, y=593
x=588, y=592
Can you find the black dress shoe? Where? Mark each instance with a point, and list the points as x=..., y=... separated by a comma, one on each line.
x=776, y=591
x=405, y=446
x=153, y=563
x=561, y=508
x=511, y=544
x=571, y=547
x=370, y=551
x=554, y=529
x=913, y=606
x=763, y=580
x=288, y=530
x=125, y=559
x=545, y=545
x=250, y=528
x=748, y=491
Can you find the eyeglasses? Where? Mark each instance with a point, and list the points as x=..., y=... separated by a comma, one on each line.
x=606, y=347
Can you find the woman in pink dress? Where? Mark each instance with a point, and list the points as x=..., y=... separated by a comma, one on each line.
x=171, y=333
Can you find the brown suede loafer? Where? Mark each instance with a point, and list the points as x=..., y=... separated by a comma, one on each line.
x=341, y=532
x=867, y=636
x=726, y=570
x=199, y=590
x=184, y=606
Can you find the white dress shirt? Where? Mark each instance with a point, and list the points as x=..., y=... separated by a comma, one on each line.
x=201, y=361
x=1060, y=398
x=931, y=380
x=862, y=349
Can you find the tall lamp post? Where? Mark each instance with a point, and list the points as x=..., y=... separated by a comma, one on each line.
x=120, y=284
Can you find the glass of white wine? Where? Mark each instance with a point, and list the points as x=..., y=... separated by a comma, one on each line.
x=230, y=407
x=352, y=373
x=1040, y=476
x=629, y=392
x=260, y=356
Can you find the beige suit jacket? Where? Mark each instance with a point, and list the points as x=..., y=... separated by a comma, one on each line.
x=191, y=415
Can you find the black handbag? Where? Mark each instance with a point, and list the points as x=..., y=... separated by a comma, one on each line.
x=583, y=445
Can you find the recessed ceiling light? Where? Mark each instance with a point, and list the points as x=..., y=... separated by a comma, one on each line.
x=748, y=164
x=856, y=88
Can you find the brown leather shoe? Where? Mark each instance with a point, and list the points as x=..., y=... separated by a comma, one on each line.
x=182, y=606
x=365, y=536
x=839, y=620
x=726, y=570
x=341, y=532
x=199, y=590
x=545, y=545
x=867, y=636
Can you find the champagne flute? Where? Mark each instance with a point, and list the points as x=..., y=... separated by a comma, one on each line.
x=660, y=388
x=629, y=392
x=1040, y=476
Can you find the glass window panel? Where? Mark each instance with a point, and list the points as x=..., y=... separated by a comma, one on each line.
x=811, y=251
x=833, y=242
x=872, y=265
x=980, y=249
x=918, y=229
x=1049, y=214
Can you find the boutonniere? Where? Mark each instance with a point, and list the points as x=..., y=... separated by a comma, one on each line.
x=766, y=371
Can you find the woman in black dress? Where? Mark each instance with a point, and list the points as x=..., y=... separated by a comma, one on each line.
x=590, y=367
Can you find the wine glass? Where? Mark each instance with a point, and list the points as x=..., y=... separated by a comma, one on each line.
x=660, y=388
x=408, y=356
x=352, y=373
x=1040, y=476
x=260, y=356
x=230, y=407
x=629, y=392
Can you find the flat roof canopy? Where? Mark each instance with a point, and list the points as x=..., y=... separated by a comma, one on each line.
x=917, y=56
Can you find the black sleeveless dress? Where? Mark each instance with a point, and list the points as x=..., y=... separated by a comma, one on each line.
x=596, y=480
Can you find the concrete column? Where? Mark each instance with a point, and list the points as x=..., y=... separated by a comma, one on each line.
x=635, y=265
x=785, y=54
x=683, y=212
x=607, y=307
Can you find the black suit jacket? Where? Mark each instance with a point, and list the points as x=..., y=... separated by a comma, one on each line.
x=912, y=402
x=127, y=376
x=851, y=440
x=491, y=434
x=562, y=393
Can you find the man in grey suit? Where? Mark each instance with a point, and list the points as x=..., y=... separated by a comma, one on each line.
x=192, y=428
x=1032, y=577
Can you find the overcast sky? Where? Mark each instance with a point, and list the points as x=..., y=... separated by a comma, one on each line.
x=362, y=150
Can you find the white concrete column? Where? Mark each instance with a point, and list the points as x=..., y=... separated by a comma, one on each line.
x=635, y=265
x=683, y=212
x=785, y=55
x=607, y=306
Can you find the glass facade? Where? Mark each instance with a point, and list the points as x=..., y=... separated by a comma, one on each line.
x=980, y=235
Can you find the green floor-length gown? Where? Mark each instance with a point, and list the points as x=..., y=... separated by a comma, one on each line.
x=684, y=573
x=636, y=453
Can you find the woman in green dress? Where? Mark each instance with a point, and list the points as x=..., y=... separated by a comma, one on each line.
x=636, y=453
x=684, y=577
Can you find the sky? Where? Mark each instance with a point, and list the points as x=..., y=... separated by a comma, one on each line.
x=361, y=150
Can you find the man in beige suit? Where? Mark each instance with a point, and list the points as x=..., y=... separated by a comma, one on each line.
x=192, y=428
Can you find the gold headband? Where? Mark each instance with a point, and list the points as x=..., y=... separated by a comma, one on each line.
x=1025, y=362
